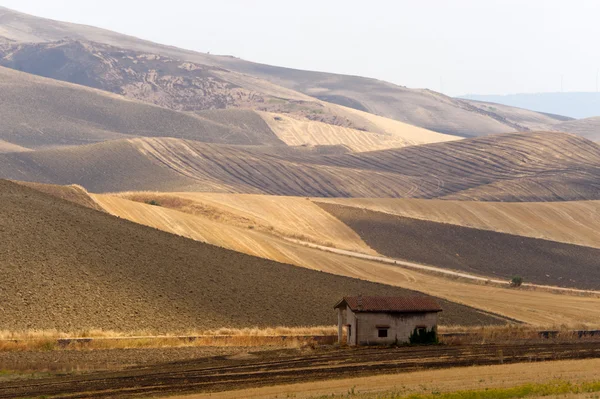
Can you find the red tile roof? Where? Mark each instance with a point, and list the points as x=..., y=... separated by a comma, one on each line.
x=412, y=304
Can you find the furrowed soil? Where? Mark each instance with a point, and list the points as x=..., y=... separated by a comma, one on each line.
x=286, y=367
x=578, y=220
x=511, y=167
x=475, y=251
x=66, y=267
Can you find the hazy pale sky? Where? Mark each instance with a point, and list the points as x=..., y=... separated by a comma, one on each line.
x=454, y=46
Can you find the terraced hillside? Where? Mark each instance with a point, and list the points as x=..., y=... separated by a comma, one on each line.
x=514, y=167
x=38, y=112
x=84, y=274
x=481, y=252
x=588, y=127
x=578, y=220
x=33, y=42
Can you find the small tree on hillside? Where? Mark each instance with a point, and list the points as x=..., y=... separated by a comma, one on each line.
x=516, y=281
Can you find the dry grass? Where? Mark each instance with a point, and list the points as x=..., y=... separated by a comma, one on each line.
x=46, y=340
x=554, y=389
x=99, y=333
x=289, y=337
x=511, y=333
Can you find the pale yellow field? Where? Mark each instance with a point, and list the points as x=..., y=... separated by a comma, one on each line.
x=533, y=307
x=291, y=217
x=392, y=127
x=295, y=132
x=423, y=382
x=570, y=222
x=199, y=228
x=5, y=146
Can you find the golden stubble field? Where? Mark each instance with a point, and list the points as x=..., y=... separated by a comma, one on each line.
x=385, y=134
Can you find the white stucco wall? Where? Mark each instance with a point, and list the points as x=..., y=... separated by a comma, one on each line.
x=401, y=326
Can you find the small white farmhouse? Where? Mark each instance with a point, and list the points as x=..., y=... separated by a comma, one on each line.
x=386, y=320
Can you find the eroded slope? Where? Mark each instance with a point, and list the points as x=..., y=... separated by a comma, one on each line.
x=38, y=112
x=418, y=107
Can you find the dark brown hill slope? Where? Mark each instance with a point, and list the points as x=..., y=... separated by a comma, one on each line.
x=418, y=107
x=68, y=267
x=37, y=112
x=482, y=252
x=512, y=167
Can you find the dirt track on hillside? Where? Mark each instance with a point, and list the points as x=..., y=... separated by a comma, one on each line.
x=273, y=368
x=475, y=251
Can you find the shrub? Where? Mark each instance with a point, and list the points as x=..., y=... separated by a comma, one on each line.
x=516, y=281
x=153, y=202
x=423, y=336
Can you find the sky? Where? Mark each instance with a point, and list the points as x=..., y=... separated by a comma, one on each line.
x=454, y=46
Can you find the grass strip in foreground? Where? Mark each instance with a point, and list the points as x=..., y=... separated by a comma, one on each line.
x=553, y=388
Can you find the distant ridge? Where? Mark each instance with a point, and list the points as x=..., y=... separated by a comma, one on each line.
x=572, y=104
x=62, y=50
x=38, y=113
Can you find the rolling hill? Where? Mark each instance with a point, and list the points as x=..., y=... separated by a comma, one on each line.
x=184, y=86
x=220, y=225
x=93, y=270
x=578, y=220
x=39, y=113
x=62, y=50
x=68, y=114
x=513, y=167
x=290, y=217
x=481, y=252
x=385, y=134
x=571, y=104
x=588, y=128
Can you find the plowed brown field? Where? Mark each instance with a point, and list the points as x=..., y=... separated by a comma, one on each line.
x=214, y=375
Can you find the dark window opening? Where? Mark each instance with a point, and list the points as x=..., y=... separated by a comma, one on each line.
x=421, y=330
x=382, y=332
